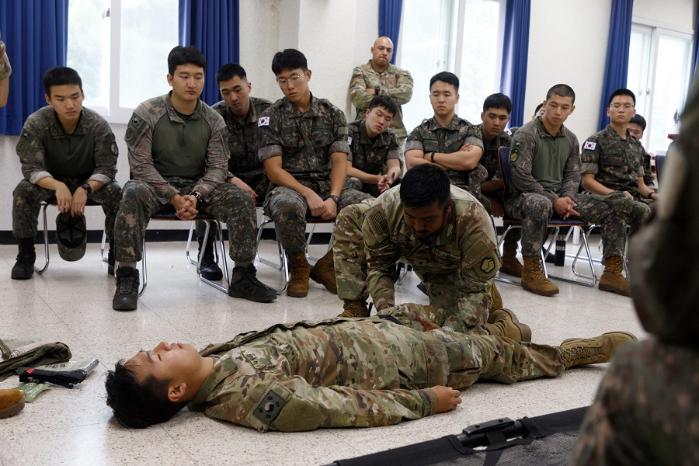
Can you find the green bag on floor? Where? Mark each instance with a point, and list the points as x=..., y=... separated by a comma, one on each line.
x=23, y=353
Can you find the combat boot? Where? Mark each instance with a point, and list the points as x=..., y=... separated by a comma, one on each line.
x=11, y=402
x=612, y=278
x=126, y=294
x=354, y=308
x=24, y=266
x=300, y=270
x=510, y=264
x=323, y=272
x=533, y=278
x=495, y=298
x=244, y=284
x=504, y=323
x=581, y=351
x=208, y=268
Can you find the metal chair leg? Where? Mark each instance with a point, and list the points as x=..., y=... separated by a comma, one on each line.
x=218, y=239
x=41, y=269
x=501, y=241
x=144, y=268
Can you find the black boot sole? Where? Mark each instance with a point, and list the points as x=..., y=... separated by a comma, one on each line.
x=121, y=307
x=257, y=299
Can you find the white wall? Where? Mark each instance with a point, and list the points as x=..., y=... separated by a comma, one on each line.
x=677, y=15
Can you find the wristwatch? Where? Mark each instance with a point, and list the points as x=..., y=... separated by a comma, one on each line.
x=334, y=198
x=198, y=196
x=86, y=186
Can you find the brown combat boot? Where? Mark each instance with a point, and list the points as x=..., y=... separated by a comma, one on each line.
x=495, y=298
x=11, y=402
x=580, y=351
x=612, y=278
x=323, y=272
x=300, y=270
x=504, y=323
x=533, y=278
x=355, y=308
x=510, y=264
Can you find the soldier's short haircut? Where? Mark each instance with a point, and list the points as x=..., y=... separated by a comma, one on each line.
x=184, y=56
x=498, y=100
x=639, y=120
x=59, y=76
x=622, y=91
x=424, y=185
x=383, y=101
x=230, y=71
x=445, y=77
x=561, y=90
x=138, y=405
x=288, y=59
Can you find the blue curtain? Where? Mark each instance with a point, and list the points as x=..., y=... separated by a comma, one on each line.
x=616, y=68
x=513, y=74
x=36, y=35
x=212, y=26
x=389, y=22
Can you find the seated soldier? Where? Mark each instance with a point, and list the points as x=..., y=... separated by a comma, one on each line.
x=5, y=72
x=240, y=112
x=440, y=229
x=178, y=155
x=494, y=118
x=637, y=125
x=445, y=140
x=545, y=168
x=375, y=159
x=374, y=373
x=612, y=159
x=68, y=154
x=302, y=142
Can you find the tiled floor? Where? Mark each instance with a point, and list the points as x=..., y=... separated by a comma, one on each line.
x=71, y=303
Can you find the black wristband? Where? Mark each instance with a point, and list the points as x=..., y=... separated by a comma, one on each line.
x=335, y=198
x=86, y=186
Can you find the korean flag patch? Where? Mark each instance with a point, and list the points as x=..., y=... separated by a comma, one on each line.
x=589, y=145
x=349, y=139
x=263, y=121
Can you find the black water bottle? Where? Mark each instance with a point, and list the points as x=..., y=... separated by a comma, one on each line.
x=560, y=252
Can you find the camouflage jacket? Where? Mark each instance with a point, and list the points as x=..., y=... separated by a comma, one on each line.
x=5, y=67
x=139, y=137
x=531, y=141
x=41, y=131
x=491, y=157
x=334, y=373
x=304, y=141
x=370, y=155
x=616, y=163
x=393, y=82
x=464, y=251
x=242, y=137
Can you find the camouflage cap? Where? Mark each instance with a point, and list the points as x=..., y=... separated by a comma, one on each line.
x=71, y=236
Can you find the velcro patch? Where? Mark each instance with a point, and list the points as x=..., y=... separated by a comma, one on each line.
x=269, y=407
x=487, y=265
x=589, y=145
x=349, y=139
x=263, y=121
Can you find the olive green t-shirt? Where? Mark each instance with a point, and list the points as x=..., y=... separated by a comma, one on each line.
x=179, y=147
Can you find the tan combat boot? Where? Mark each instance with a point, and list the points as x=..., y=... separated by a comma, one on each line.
x=612, y=278
x=504, y=323
x=495, y=298
x=300, y=270
x=510, y=264
x=11, y=402
x=323, y=272
x=355, y=308
x=533, y=278
x=580, y=351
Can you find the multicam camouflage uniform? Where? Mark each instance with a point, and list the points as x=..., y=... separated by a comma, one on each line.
x=456, y=265
x=45, y=150
x=370, y=155
x=545, y=167
x=617, y=164
x=305, y=142
x=354, y=373
x=393, y=82
x=169, y=155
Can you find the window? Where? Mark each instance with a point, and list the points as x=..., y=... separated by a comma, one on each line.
x=124, y=42
x=659, y=67
x=461, y=36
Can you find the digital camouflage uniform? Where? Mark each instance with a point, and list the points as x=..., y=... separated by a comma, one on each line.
x=430, y=136
x=491, y=162
x=46, y=150
x=456, y=265
x=171, y=154
x=545, y=167
x=393, y=82
x=305, y=142
x=371, y=155
x=354, y=373
x=617, y=164
x=5, y=67
x=646, y=411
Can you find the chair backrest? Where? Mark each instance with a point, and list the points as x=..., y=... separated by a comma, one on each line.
x=659, y=162
x=504, y=156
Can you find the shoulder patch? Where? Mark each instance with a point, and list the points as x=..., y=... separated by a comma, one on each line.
x=589, y=145
x=487, y=265
x=134, y=129
x=263, y=121
x=514, y=152
x=24, y=141
x=269, y=407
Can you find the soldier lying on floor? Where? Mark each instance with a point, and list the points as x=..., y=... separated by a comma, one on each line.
x=335, y=373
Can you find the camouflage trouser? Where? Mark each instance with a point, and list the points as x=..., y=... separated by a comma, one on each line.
x=640, y=213
x=27, y=198
x=288, y=209
x=226, y=203
x=610, y=212
x=646, y=410
x=513, y=235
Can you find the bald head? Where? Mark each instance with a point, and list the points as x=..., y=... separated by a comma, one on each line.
x=381, y=53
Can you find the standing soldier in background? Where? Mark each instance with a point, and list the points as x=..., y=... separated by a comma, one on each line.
x=5, y=72
x=379, y=77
